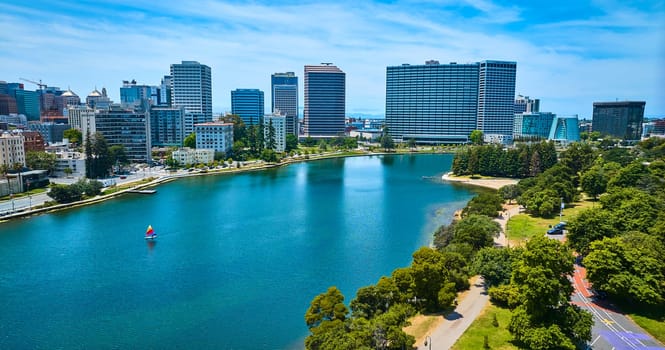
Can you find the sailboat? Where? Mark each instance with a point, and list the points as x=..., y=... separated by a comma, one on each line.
x=150, y=233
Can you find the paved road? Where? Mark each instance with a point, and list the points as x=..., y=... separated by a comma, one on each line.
x=454, y=324
x=611, y=330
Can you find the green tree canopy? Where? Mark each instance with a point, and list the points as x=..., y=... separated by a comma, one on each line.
x=40, y=160
x=488, y=204
x=477, y=230
x=190, y=141
x=476, y=137
x=291, y=143
x=73, y=135
x=327, y=306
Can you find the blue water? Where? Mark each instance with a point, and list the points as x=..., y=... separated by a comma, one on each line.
x=237, y=261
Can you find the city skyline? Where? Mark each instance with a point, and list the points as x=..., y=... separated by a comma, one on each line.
x=569, y=55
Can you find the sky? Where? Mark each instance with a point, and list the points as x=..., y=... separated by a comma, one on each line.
x=569, y=54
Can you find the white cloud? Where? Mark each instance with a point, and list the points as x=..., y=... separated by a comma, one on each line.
x=568, y=65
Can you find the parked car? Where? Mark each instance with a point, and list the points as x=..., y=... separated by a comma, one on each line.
x=557, y=229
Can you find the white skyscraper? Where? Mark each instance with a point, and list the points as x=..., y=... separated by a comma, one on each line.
x=191, y=88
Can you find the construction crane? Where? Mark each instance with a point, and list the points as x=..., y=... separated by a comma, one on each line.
x=41, y=86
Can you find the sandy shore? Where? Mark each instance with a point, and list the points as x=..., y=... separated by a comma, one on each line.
x=493, y=183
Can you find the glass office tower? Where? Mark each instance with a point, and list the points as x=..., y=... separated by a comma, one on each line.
x=284, y=92
x=325, y=101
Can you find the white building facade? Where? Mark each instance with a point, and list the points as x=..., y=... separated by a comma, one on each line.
x=83, y=119
x=214, y=135
x=189, y=156
x=279, y=125
x=12, y=149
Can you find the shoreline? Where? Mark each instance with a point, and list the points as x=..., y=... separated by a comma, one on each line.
x=171, y=177
x=494, y=183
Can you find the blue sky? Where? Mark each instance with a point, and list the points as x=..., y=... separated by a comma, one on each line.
x=569, y=53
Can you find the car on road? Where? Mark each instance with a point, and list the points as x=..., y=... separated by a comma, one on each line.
x=557, y=229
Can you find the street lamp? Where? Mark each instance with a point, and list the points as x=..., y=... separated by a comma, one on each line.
x=428, y=342
x=561, y=210
x=30, y=205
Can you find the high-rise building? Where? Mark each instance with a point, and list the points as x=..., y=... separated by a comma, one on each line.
x=496, y=100
x=278, y=124
x=432, y=103
x=248, y=104
x=191, y=88
x=52, y=132
x=524, y=104
x=534, y=124
x=619, y=119
x=8, y=105
x=284, y=92
x=132, y=93
x=167, y=126
x=325, y=101
x=442, y=103
x=27, y=102
x=165, y=89
x=127, y=127
x=83, y=119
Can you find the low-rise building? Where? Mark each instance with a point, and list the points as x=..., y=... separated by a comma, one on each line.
x=74, y=161
x=214, y=135
x=189, y=156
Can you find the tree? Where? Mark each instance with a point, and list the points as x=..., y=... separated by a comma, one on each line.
x=476, y=137
x=41, y=160
x=291, y=143
x=412, y=144
x=494, y=265
x=118, y=155
x=271, y=142
x=190, y=141
x=588, y=226
x=270, y=156
x=239, y=127
x=594, y=181
x=487, y=204
x=323, y=146
x=546, y=319
x=629, y=267
x=510, y=192
x=98, y=158
x=68, y=171
x=387, y=142
x=73, y=135
x=328, y=306
x=477, y=230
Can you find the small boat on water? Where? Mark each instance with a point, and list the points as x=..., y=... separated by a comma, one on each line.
x=150, y=233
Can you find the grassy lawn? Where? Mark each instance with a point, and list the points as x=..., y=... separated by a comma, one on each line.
x=525, y=226
x=653, y=323
x=498, y=337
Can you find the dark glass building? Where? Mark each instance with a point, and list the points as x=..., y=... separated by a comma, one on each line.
x=284, y=92
x=325, y=101
x=167, y=126
x=619, y=119
x=127, y=127
x=248, y=104
x=496, y=100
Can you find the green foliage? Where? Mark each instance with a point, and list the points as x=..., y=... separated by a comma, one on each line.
x=488, y=204
x=291, y=143
x=411, y=143
x=328, y=306
x=544, y=203
x=545, y=319
x=594, y=181
x=309, y=142
x=590, y=225
x=98, y=156
x=323, y=146
x=118, y=155
x=633, y=210
x=374, y=300
x=271, y=141
x=387, y=142
x=444, y=235
x=652, y=148
x=477, y=230
x=494, y=265
x=74, y=192
x=629, y=267
x=510, y=192
x=505, y=295
x=239, y=127
x=476, y=137
x=190, y=141
x=270, y=156
x=40, y=160
x=493, y=160
x=73, y=135
x=578, y=157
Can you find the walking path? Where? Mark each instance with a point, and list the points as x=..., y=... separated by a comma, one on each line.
x=445, y=335
x=455, y=323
